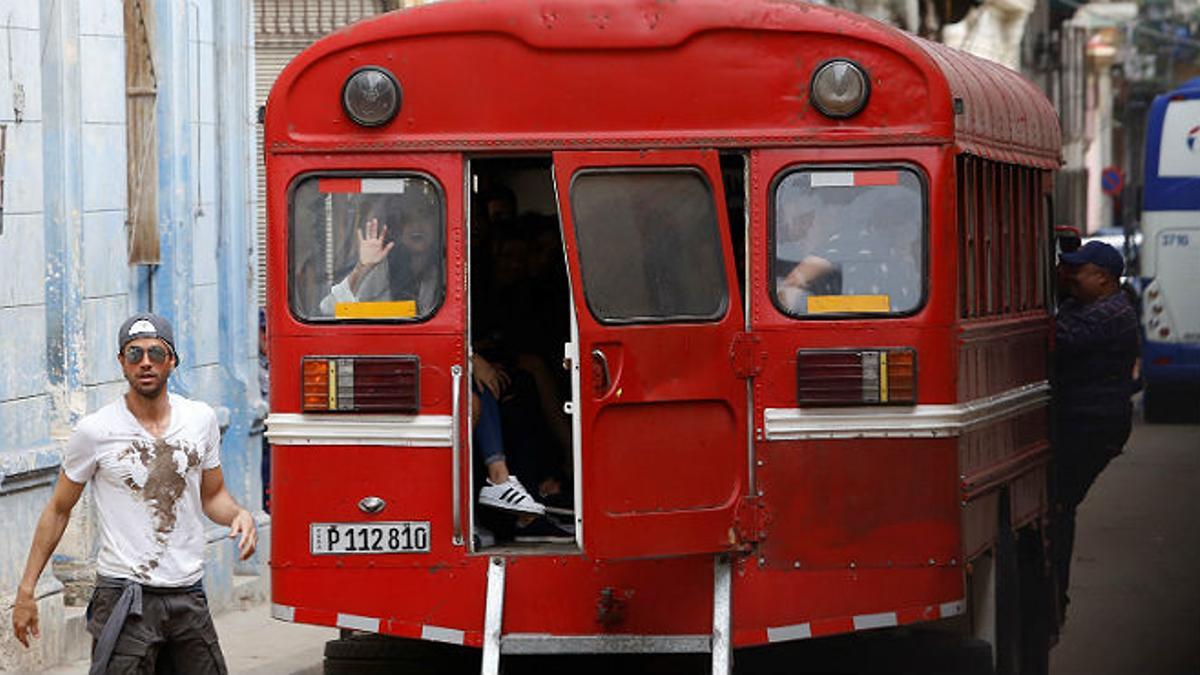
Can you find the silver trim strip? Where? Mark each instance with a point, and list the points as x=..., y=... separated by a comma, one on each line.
x=426, y=431
x=493, y=617
x=881, y=620
x=722, y=640
x=283, y=612
x=949, y=609
x=799, y=631
x=925, y=421
x=538, y=643
x=358, y=622
x=438, y=634
x=456, y=450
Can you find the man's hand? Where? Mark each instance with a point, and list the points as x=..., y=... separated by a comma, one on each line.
x=243, y=525
x=25, y=619
x=489, y=376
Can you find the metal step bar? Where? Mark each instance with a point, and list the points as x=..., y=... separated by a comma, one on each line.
x=496, y=643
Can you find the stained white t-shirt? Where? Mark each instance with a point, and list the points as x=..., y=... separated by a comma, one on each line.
x=147, y=490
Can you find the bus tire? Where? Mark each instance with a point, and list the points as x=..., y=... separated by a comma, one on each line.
x=994, y=596
x=366, y=653
x=1165, y=404
x=1037, y=603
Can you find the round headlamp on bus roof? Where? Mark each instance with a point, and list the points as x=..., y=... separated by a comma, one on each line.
x=371, y=96
x=839, y=88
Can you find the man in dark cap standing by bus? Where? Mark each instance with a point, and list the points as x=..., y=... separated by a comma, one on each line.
x=153, y=459
x=1096, y=345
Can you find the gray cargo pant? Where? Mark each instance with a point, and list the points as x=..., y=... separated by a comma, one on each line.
x=165, y=630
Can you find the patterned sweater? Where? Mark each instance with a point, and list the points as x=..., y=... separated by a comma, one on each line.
x=1096, y=346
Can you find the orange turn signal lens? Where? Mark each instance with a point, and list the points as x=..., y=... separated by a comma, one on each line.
x=855, y=377
x=361, y=384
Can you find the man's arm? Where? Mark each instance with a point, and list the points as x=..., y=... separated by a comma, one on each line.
x=50, y=528
x=221, y=508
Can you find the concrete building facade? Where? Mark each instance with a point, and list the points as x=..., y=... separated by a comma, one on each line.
x=70, y=129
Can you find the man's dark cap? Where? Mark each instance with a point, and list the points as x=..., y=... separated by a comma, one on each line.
x=147, y=325
x=1097, y=253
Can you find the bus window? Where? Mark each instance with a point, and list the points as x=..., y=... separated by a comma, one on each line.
x=366, y=248
x=848, y=242
x=649, y=246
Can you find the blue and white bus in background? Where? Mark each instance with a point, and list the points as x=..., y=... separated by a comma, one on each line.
x=1170, y=257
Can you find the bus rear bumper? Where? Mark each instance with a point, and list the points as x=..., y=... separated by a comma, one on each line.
x=1171, y=363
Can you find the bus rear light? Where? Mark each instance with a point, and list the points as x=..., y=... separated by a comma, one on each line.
x=879, y=376
x=1164, y=332
x=370, y=384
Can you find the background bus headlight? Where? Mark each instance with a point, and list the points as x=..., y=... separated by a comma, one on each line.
x=839, y=88
x=371, y=96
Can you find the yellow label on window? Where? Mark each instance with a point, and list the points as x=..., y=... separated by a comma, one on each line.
x=829, y=304
x=403, y=309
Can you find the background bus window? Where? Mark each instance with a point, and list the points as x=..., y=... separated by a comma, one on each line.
x=848, y=242
x=366, y=248
x=649, y=246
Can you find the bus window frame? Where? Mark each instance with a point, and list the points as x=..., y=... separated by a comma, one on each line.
x=769, y=256
x=723, y=308
x=444, y=220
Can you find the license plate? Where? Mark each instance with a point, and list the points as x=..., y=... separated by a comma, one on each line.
x=406, y=536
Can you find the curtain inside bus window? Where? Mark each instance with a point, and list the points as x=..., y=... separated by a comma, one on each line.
x=649, y=246
x=366, y=248
x=848, y=242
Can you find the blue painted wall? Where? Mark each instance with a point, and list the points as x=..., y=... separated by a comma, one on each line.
x=65, y=285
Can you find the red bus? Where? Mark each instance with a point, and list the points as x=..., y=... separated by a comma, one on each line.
x=797, y=262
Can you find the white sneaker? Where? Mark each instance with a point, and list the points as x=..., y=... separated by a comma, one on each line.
x=510, y=496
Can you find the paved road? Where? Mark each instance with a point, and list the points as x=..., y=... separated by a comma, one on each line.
x=1135, y=596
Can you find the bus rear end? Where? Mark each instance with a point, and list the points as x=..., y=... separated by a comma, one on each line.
x=787, y=343
x=1170, y=257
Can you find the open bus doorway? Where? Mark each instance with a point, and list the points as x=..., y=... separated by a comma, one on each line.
x=519, y=321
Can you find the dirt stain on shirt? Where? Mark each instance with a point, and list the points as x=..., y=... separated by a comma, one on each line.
x=165, y=482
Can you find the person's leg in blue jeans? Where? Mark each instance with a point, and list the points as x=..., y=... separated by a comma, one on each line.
x=502, y=490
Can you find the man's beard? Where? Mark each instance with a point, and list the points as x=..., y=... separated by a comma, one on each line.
x=150, y=391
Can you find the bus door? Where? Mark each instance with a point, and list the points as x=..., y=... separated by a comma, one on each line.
x=659, y=414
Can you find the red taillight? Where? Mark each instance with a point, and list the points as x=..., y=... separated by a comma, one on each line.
x=601, y=378
x=848, y=377
x=361, y=384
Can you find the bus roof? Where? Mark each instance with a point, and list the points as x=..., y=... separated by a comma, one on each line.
x=514, y=75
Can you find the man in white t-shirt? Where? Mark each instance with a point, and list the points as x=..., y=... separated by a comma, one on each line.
x=153, y=460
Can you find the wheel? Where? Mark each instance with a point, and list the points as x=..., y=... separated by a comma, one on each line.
x=1165, y=404
x=994, y=596
x=1037, y=602
x=371, y=653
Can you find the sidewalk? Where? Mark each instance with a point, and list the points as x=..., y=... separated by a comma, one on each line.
x=256, y=644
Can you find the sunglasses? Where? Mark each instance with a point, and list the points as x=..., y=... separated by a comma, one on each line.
x=134, y=354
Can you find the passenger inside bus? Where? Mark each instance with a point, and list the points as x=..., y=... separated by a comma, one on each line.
x=848, y=233
x=519, y=317
x=406, y=267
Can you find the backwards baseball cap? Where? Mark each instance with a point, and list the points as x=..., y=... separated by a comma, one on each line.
x=1099, y=254
x=147, y=325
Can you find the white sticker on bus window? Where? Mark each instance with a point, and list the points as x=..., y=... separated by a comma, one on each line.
x=375, y=186
x=833, y=179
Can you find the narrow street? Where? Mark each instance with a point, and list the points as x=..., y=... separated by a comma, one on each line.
x=1135, y=596
x=1135, y=603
